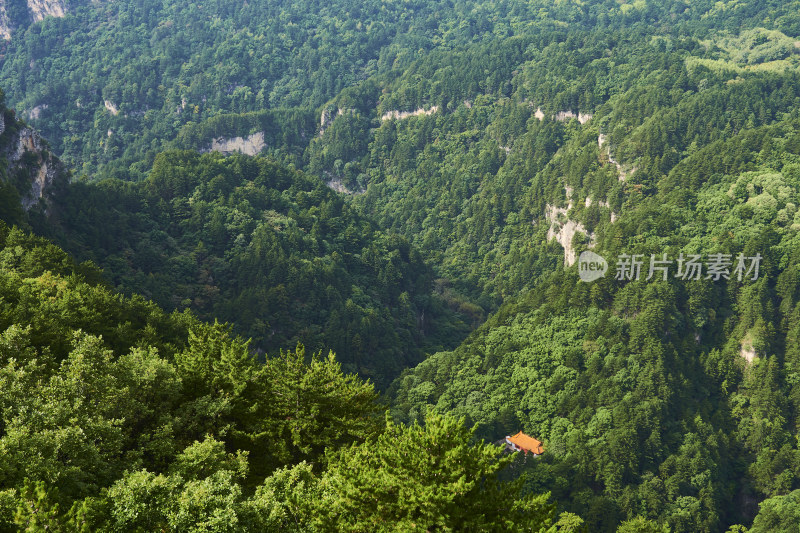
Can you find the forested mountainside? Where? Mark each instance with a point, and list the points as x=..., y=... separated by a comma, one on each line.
x=118, y=416
x=108, y=83
x=675, y=399
x=29, y=173
x=414, y=171
x=275, y=252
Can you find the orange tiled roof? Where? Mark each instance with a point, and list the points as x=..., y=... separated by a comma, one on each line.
x=527, y=443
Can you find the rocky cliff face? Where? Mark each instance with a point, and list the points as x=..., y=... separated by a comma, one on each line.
x=43, y=170
x=30, y=166
x=37, y=11
x=250, y=145
x=5, y=23
x=327, y=117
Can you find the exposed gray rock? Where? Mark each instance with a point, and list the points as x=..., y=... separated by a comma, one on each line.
x=41, y=167
x=250, y=145
x=563, y=116
x=748, y=352
x=37, y=9
x=5, y=23
x=563, y=229
x=336, y=184
x=326, y=117
x=36, y=112
x=111, y=107
x=400, y=115
x=602, y=140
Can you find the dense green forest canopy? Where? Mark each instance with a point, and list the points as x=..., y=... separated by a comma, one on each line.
x=478, y=148
x=115, y=416
x=267, y=248
x=144, y=69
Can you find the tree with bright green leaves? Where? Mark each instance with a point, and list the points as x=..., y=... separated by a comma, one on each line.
x=641, y=525
x=318, y=406
x=200, y=491
x=779, y=513
x=427, y=477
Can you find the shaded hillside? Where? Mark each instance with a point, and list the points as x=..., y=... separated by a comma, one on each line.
x=673, y=399
x=267, y=248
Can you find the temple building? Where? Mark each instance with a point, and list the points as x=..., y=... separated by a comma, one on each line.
x=523, y=443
